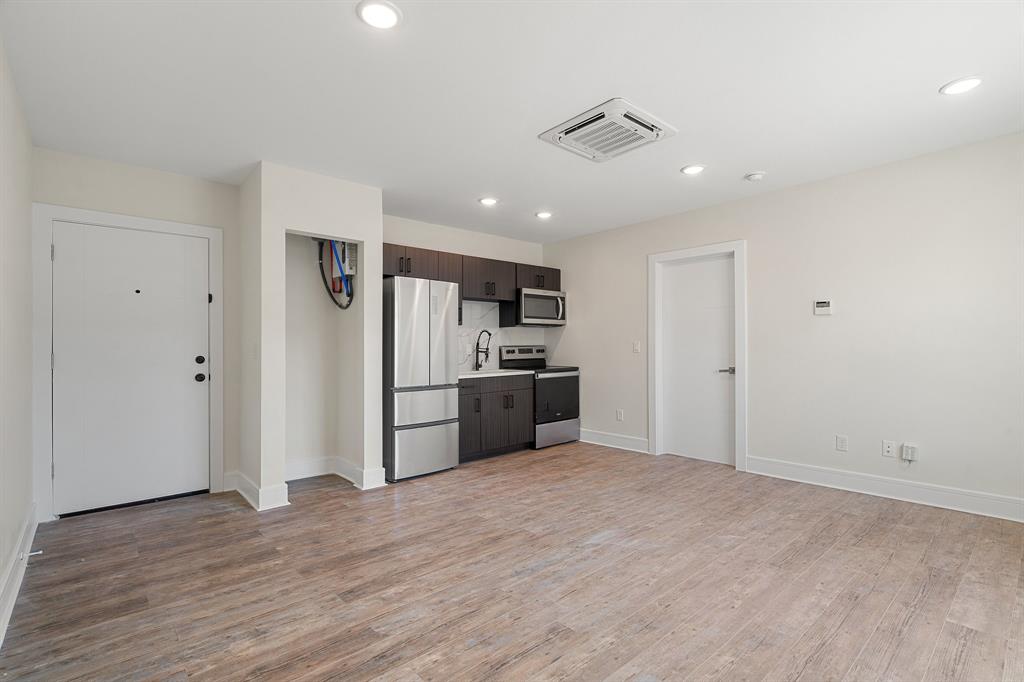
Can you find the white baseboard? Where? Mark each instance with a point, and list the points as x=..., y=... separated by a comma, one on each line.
x=973, y=501
x=615, y=440
x=364, y=479
x=260, y=499
x=13, y=570
x=372, y=478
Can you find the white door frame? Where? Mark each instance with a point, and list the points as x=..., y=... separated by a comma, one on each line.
x=655, y=268
x=43, y=217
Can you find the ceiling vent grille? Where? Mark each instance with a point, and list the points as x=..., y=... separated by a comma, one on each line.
x=608, y=130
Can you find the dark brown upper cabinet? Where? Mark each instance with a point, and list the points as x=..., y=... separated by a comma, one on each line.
x=449, y=267
x=538, y=277
x=484, y=279
x=409, y=261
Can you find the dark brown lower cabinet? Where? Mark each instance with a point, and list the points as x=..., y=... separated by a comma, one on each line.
x=520, y=417
x=469, y=424
x=494, y=421
x=495, y=415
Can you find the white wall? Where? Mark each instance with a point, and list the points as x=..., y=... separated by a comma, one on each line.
x=306, y=203
x=83, y=182
x=444, y=238
x=250, y=208
x=313, y=354
x=16, y=517
x=924, y=261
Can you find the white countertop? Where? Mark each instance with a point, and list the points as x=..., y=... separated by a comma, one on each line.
x=493, y=373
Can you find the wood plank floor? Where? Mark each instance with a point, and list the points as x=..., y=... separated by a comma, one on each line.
x=577, y=562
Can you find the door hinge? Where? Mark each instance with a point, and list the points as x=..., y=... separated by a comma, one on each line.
x=51, y=362
x=52, y=474
x=209, y=298
x=53, y=251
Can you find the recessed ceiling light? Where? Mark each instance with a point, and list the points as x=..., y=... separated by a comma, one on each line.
x=488, y=201
x=379, y=13
x=543, y=215
x=756, y=176
x=960, y=86
x=692, y=170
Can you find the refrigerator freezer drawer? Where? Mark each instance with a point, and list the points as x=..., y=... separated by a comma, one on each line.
x=426, y=449
x=420, y=407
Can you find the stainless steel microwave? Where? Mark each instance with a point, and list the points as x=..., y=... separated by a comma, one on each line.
x=541, y=308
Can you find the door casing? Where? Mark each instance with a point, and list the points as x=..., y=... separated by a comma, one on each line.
x=655, y=344
x=43, y=217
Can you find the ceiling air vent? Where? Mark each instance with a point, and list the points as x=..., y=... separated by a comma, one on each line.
x=608, y=130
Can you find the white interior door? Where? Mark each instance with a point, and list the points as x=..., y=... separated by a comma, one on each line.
x=130, y=321
x=697, y=342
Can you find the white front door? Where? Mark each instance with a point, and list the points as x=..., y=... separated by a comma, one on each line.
x=130, y=339
x=697, y=344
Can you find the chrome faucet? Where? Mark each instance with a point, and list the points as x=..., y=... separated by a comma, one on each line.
x=486, y=350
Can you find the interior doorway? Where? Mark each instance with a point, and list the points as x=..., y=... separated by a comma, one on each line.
x=697, y=353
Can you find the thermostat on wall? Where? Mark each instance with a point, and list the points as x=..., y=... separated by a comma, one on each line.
x=823, y=307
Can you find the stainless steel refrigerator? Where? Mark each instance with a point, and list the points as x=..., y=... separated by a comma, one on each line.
x=421, y=377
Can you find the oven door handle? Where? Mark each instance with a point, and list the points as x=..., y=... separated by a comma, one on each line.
x=557, y=375
x=561, y=308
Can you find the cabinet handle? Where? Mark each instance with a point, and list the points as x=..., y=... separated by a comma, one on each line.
x=401, y=264
x=476, y=405
x=536, y=281
x=504, y=401
x=408, y=265
x=542, y=281
x=512, y=400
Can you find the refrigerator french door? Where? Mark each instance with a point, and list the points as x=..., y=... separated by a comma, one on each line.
x=421, y=377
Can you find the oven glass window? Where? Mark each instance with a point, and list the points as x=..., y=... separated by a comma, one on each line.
x=540, y=307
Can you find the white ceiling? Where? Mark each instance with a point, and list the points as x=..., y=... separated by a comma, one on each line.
x=447, y=107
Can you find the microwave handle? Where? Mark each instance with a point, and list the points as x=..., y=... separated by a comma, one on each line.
x=561, y=308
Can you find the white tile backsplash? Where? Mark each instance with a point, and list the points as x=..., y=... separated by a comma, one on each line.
x=477, y=315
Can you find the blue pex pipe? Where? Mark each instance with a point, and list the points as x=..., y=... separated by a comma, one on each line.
x=341, y=270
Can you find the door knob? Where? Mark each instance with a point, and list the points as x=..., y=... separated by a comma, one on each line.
x=727, y=370
x=200, y=359
x=200, y=377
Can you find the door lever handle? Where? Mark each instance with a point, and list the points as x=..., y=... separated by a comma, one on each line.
x=727, y=370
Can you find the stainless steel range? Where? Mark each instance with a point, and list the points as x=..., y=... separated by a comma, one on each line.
x=556, y=394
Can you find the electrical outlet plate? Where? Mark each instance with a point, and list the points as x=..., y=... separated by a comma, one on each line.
x=888, y=448
x=842, y=443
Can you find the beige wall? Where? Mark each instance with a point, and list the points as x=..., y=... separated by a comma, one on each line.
x=443, y=238
x=923, y=260
x=82, y=182
x=15, y=330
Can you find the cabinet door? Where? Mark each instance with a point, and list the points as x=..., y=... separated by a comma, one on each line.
x=475, y=284
x=420, y=263
x=394, y=259
x=520, y=417
x=527, y=276
x=503, y=280
x=550, y=279
x=494, y=420
x=469, y=424
x=449, y=267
